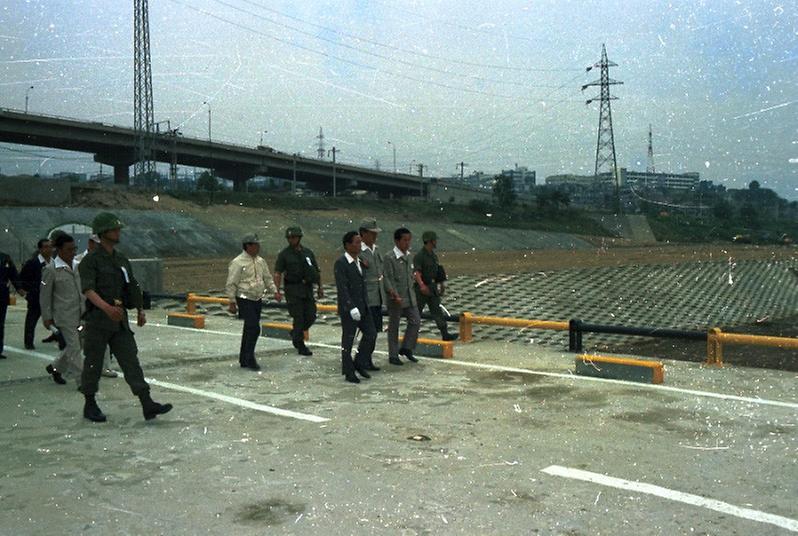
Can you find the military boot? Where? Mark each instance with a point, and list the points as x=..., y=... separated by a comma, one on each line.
x=151, y=408
x=92, y=411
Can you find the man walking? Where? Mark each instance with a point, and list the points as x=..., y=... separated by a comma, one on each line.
x=297, y=269
x=62, y=306
x=110, y=288
x=30, y=276
x=372, y=263
x=92, y=244
x=248, y=278
x=430, y=286
x=398, y=282
x=350, y=283
x=8, y=274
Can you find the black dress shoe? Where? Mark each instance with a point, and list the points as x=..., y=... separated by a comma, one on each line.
x=30, y=347
x=360, y=370
x=92, y=411
x=152, y=409
x=3, y=357
x=352, y=378
x=51, y=338
x=372, y=367
x=57, y=378
x=252, y=365
x=408, y=354
x=304, y=350
x=449, y=337
x=395, y=361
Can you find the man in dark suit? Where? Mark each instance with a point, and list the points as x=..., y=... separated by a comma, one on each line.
x=353, y=310
x=30, y=276
x=8, y=274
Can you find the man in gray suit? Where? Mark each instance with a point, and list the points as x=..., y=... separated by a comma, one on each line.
x=62, y=306
x=398, y=279
x=372, y=263
x=353, y=310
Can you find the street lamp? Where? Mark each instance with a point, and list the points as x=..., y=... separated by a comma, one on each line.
x=262, y=132
x=208, y=104
x=27, y=94
x=394, y=155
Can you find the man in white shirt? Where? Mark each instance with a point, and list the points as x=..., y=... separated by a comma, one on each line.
x=62, y=306
x=248, y=279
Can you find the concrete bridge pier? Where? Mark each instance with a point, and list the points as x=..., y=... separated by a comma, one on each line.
x=121, y=164
x=239, y=175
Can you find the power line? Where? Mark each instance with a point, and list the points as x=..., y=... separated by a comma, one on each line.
x=406, y=50
x=374, y=54
x=338, y=58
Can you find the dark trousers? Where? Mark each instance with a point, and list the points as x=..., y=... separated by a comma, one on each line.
x=367, y=340
x=3, y=310
x=376, y=317
x=123, y=346
x=249, y=311
x=303, y=312
x=31, y=319
x=434, y=304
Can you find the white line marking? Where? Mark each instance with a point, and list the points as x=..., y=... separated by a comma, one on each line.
x=199, y=392
x=665, y=493
x=651, y=386
x=239, y=402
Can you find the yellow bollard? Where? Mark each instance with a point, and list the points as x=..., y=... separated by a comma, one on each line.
x=714, y=348
x=191, y=305
x=466, y=327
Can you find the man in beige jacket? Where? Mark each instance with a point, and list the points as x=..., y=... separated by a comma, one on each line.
x=62, y=306
x=248, y=279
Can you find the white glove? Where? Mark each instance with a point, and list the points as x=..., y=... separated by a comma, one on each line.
x=355, y=314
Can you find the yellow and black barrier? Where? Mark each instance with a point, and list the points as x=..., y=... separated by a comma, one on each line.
x=620, y=368
x=279, y=330
x=716, y=339
x=467, y=321
x=186, y=320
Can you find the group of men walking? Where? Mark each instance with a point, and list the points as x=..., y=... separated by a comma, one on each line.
x=368, y=283
x=83, y=300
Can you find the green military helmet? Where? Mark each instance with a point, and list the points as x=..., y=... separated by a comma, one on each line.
x=428, y=235
x=105, y=221
x=55, y=234
x=293, y=231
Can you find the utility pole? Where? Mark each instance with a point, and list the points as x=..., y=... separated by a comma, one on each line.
x=27, y=95
x=320, y=151
x=462, y=166
x=605, y=144
x=335, y=186
x=143, y=115
x=293, y=175
x=650, y=167
x=421, y=167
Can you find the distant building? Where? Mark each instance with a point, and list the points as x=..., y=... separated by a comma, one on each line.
x=523, y=179
x=476, y=179
x=74, y=177
x=633, y=179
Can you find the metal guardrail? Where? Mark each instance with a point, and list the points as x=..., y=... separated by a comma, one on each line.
x=714, y=337
x=576, y=328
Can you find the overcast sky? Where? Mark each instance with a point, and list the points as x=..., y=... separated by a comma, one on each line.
x=444, y=81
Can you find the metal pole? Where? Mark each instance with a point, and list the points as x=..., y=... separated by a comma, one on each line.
x=293, y=180
x=27, y=93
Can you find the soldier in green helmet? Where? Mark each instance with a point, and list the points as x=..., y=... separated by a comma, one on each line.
x=296, y=268
x=430, y=287
x=109, y=286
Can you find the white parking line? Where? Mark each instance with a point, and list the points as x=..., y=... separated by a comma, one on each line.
x=656, y=387
x=199, y=392
x=665, y=493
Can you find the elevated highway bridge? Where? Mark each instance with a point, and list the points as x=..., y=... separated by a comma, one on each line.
x=116, y=146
